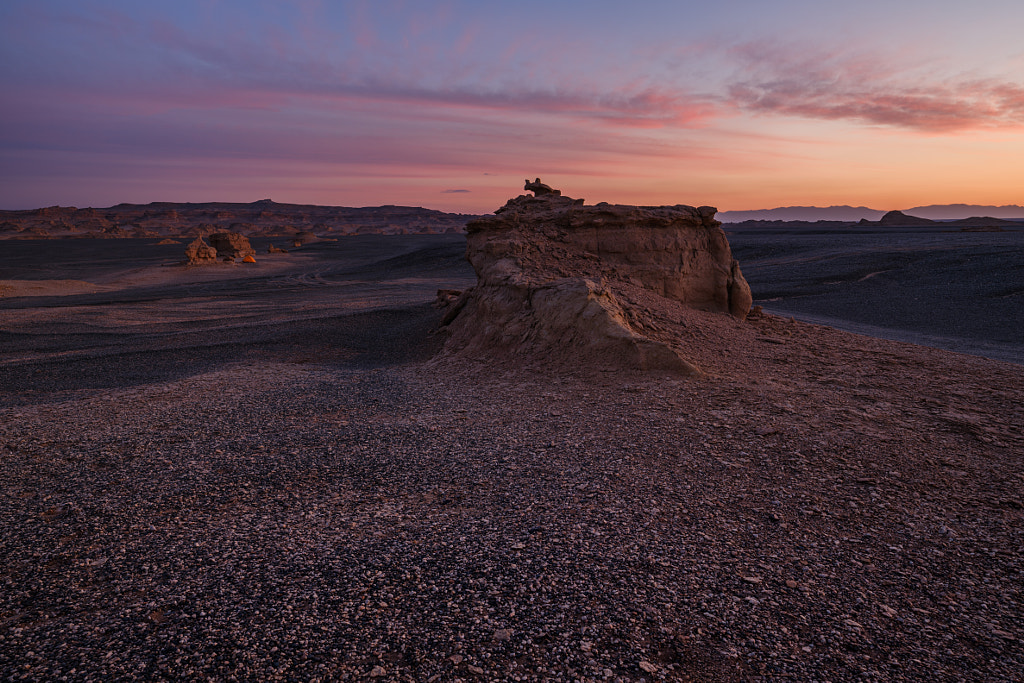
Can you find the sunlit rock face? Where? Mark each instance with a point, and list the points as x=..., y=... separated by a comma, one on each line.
x=199, y=252
x=231, y=245
x=551, y=271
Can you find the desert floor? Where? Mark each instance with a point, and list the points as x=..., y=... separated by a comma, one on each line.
x=258, y=473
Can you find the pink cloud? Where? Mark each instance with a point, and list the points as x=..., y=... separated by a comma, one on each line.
x=840, y=87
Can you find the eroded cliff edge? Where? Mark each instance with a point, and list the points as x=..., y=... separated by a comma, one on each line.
x=561, y=282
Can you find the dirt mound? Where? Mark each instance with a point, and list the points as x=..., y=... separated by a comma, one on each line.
x=561, y=283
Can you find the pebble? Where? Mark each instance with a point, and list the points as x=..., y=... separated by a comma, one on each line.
x=189, y=527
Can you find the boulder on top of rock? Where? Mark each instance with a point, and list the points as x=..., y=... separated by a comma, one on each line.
x=199, y=252
x=539, y=189
x=556, y=279
x=231, y=245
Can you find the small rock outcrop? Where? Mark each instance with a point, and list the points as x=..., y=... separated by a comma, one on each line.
x=898, y=218
x=539, y=189
x=199, y=252
x=231, y=245
x=556, y=279
x=305, y=237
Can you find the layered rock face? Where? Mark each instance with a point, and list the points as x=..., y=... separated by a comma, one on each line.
x=552, y=273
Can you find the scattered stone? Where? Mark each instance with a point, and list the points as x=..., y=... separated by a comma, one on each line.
x=253, y=520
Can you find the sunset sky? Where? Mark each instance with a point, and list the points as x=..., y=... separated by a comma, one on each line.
x=450, y=105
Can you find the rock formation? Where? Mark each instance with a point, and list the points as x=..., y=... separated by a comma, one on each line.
x=199, y=252
x=898, y=218
x=539, y=189
x=556, y=278
x=304, y=237
x=231, y=245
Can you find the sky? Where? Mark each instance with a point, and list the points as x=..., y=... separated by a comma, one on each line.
x=738, y=104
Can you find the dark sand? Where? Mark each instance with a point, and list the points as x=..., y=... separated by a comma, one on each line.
x=364, y=301
x=962, y=291
x=251, y=473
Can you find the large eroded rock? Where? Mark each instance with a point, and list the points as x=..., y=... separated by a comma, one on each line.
x=551, y=273
x=199, y=252
x=231, y=245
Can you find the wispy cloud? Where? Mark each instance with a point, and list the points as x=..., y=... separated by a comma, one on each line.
x=846, y=87
x=182, y=67
x=455, y=191
x=177, y=67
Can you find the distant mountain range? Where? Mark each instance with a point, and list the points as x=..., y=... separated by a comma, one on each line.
x=935, y=212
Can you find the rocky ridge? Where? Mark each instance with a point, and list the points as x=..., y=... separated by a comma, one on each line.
x=560, y=281
x=262, y=218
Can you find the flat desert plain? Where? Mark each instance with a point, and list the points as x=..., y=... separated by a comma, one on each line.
x=265, y=472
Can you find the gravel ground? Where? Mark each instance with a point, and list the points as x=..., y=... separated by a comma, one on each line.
x=818, y=506
x=287, y=521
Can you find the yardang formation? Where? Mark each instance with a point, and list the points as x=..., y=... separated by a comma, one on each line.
x=559, y=282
